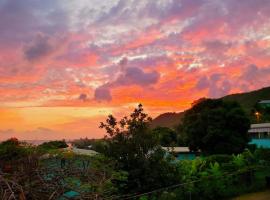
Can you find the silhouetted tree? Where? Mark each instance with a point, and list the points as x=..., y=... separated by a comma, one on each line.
x=166, y=136
x=132, y=144
x=216, y=126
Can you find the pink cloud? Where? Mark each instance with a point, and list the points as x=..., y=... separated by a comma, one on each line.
x=165, y=54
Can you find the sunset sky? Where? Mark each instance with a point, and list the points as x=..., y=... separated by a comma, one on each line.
x=66, y=64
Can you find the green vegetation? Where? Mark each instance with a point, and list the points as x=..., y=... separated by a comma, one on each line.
x=166, y=136
x=97, y=145
x=132, y=144
x=247, y=100
x=94, y=176
x=83, y=143
x=57, y=144
x=216, y=127
x=205, y=178
x=12, y=149
x=260, y=113
x=132, y=164
x=48, y=172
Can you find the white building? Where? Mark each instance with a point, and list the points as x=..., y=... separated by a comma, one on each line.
x=260, y=130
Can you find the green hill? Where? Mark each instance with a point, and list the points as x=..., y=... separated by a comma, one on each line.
x=246, y=100
x=249, y=99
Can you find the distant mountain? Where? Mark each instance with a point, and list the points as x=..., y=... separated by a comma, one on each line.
x=246, y=100
x=170, y=119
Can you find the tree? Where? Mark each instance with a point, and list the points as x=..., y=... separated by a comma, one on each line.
x=11, y=149
x=260, y=113
x=83, y=143
x=132, y=144
x=57, y=144
x=215, y=126
x=166, y=136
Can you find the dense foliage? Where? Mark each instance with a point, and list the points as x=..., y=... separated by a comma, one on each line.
x=82, y=143
x=132, y=164
x=166, y=136
x=260, y=113
x=132, y=144
x=249, y=99
x=56, y=174
x=97, y=145
x=57, y=144
x=216, y=177
x=216, y=127
x=11, y=149
x=246, y=100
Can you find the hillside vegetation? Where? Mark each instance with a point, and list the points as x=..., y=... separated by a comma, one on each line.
x=249, y=99
x=246, y=100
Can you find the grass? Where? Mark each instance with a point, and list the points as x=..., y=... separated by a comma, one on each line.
x=265, y=195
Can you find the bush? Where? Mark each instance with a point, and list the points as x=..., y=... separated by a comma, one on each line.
x=252, y=147
x=222, y=176
x=83, y=143
x=262, y=154
x=57, y=144
x=220, y=158
x=11, y=150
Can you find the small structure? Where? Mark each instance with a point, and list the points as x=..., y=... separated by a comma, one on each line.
x=181, y=153
x=260, y=134
x=176, y=149
x=265, y=103
x=260, y=131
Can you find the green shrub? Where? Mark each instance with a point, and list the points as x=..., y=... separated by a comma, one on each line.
x=57, y=144
x=219, y=158
x=262, y=154
x=252, y=147
x=11, y=150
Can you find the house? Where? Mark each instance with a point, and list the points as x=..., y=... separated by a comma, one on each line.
x=181, y=153
x=265, y=103
x=260, y=134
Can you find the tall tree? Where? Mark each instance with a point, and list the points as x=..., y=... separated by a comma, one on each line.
x=216, y=127
x=131, y=142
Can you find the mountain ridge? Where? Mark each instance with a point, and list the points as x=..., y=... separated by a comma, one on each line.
x=246, y=99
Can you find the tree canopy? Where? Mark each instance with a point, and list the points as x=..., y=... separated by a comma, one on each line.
x=166, y=136
x=11, y=149
x=57, y=144
x=133, y=145
x=215, y=126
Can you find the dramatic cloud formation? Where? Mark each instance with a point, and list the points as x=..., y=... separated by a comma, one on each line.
x=127, y=76
x=103, y=94
x=112, y=54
